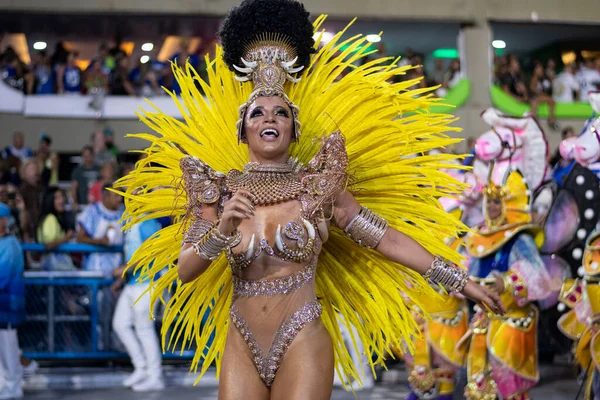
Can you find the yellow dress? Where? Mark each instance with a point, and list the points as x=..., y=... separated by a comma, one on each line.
x=384, y=126
x=437, y=357
x=501, y=351
x=582, y=322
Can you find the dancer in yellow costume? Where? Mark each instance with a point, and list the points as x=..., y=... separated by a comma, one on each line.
x=502, y=350
x=436, y=359
x=278, y=241
x=582, y=323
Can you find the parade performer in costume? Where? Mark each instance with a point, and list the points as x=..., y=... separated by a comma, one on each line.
x=257, y=210
x=582, y=322
x=502, y=350
x=436, y=359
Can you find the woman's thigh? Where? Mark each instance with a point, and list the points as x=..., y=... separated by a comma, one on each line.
x=239, y=378
x=306, y=372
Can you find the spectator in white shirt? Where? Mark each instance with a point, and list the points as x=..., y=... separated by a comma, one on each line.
x=588, y=78
x=450, y=79
x=18, y=148
x=565, y=88
x=100, y=224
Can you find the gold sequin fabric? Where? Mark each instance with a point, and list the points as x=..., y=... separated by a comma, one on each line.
x=202, y=185
x=325, y=176
x=270, y=185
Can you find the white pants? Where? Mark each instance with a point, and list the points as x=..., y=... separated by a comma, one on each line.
x=11, y=371
x=136, y=330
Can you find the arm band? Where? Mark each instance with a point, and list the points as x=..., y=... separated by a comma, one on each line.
x=366, y=228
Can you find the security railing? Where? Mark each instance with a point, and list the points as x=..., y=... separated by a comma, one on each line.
x=69, y=313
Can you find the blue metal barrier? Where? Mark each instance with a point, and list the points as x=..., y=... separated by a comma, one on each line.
x=56, y=290
x=69, y=312
x=71, y=248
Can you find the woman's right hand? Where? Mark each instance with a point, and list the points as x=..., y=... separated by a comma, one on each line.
x=19, y=202
x=235, y=210
x=69, y=235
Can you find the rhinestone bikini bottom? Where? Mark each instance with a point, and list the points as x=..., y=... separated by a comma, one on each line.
x=267, y=363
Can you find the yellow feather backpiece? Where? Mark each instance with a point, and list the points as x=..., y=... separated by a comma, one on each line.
x=388, y=132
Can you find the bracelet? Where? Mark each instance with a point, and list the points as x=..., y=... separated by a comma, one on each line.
x=446, y=274
x=197, y=230
x=214, y=242
x=366, y=228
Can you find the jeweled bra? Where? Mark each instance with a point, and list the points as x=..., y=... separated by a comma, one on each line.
x=272, y=184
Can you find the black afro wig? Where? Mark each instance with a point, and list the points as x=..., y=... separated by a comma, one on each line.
x=253, y=18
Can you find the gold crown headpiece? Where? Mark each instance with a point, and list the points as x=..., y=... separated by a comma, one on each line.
x=269, y=63
x=491, y=190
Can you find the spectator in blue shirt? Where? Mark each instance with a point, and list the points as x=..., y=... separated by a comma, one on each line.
x=160, y=70
x=43, y=74
x=13, y=71
x=180, y=59
x=471, y=150
x=69, y=75
x=561, y=170
x=12, y=309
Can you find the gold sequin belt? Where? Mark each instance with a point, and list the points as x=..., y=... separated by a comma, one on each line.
x=454, y=321
x=520, y=323
x=273, y=287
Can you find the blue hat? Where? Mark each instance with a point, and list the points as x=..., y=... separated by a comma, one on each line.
x=4, y=211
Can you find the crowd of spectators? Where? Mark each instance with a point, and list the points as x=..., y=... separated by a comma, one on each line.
x=35, y=207
x=543, y=84
x=47, y=211
x=112, y=71
x=442, y=72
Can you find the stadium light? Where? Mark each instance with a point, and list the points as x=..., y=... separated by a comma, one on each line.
x=499, y=44
x=373, y=38
x=147, y=47
x=445, y=53
x=325, y=37
x=144, y=59
x=40, y=45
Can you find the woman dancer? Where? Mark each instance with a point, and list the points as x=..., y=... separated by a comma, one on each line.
x=582, y=323
x=272, y=218
x=501, y=351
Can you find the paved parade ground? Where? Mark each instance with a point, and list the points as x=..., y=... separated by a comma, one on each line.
x=557, y=384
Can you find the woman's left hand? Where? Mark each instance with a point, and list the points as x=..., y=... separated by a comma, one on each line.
x=116, y=286
x=484, y=297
